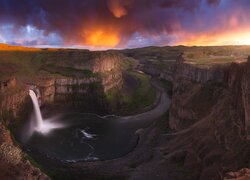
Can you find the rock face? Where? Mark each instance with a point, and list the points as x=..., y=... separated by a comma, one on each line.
x=13, y=161
x=77, y=91
x=81, y=94
x=9, y=83
x=197, y=74
x=105, y=75
x=243, y=174
x=195, y=90
x=12, y=99
x=245, y=86
x=96, y=62
x=210, y=112
x=105, y=62
x=86, y=93
x=167, y=73
x=202, y=74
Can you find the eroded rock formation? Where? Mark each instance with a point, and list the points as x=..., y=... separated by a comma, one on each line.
x=66, y=90
x=106, y=73
x=210, y=114
x=14, y=164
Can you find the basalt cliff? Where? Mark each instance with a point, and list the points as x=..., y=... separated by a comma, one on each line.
x=101, y=73
x=205, y=134
x=83, y=89
x=209, y=118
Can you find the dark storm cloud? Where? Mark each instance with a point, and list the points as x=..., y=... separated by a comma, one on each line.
x=213, y=2
x=89, y=21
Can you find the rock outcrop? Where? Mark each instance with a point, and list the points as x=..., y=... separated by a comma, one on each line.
x=105, y=75
x=243, y=174
x=14, y=164
x=210, y=114
x=194, y=73
x=12, y=98
x=195, y=91
x=86, y=91
x=8, y=83
x=245, y=86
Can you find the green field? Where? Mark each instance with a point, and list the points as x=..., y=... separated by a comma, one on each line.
x=206, y=56
x=143, y=96
x=31, y=65
x=161, y=57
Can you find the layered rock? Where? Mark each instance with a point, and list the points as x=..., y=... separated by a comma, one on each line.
x=194, y=91
x=8, y=83
x=14, y=164
x=168, y=73
x=105, y=62
x=245, y=86
x=105, y=71
x=200, y=74
x=12, y=98
x=211, y=113
x=96, y=62
x=197, y=74
x=85, y=91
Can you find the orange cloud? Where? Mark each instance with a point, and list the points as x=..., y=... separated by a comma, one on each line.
x=102, y=36
x=117, y=8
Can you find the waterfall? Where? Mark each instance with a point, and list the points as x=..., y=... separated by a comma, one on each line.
x=38, y=115
x=43, y=126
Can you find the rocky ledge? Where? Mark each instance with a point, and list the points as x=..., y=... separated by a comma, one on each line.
x=210, y=117
x=103, y=74
x=14, y=163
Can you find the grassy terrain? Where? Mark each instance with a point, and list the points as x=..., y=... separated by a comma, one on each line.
x=128, y=63
x=156, y=57
x=28, y=65
x=137, y=93
x=155, y=53
x=206, y=56
x=161, y=57
x=143, y=96
x=67, y=71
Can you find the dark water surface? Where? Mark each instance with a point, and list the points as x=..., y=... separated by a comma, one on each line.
x=86, y=137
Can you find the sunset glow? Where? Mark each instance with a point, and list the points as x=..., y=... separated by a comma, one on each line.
x=100, y=24
x=236, y=37
x=98, y=36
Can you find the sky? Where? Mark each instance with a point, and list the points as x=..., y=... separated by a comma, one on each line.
x=102, y=24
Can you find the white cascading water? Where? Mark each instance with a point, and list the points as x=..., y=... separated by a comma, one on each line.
x=38, y=115
x=42, y=126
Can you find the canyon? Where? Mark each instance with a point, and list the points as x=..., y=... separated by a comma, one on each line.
x=105, y=76
x=203, y=135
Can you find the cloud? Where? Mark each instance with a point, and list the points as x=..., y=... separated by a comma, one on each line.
x=117, y=23
x=213, y=2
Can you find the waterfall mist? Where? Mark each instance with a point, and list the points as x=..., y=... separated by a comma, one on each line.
x=37, y=123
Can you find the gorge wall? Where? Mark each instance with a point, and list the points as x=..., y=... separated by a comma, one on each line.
x=210, y=114
x=195, y=90
x=87, y=91
x=76, y=79
x=13, y=96
x=106, y=74
x=193, y=84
